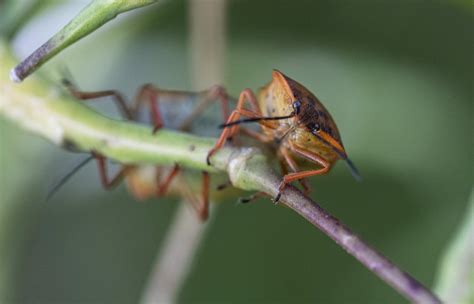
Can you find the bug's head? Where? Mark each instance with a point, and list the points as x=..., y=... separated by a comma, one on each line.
x=311, y=115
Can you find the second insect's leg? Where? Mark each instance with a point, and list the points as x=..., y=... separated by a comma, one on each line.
x=199, y=203
x=151, y=95
x=164, y=185
x=214, y=93
x=246, y=96
x=117, y=97
x=108, y=183
x=148, y=94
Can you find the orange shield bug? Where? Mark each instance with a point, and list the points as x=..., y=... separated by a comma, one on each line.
x=147, y=181
x=293, y=118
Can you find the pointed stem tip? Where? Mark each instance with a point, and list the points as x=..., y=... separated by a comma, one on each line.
x=13, y=76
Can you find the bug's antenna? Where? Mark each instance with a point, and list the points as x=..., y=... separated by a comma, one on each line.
x=352, y=168
x=65, y=178
x=246, y=120
x=355, y=173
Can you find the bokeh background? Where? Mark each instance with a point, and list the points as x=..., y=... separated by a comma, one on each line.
x=396, y=76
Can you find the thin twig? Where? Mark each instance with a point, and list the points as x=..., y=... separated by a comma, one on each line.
x=175, y=258
x=263, y=179
x=36, y=106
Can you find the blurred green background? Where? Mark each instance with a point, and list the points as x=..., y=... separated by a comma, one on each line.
x=396, y=76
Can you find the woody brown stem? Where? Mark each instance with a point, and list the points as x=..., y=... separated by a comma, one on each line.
x=250, y=168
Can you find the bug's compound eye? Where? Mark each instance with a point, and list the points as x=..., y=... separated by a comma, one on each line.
x=314, y=127
x=297, y=106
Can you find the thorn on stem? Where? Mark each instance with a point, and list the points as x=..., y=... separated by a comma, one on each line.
x=277, y=198
x=244, y=200
x=208, y=159
x=223, y=186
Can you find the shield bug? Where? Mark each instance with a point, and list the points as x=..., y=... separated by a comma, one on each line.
x=296, y=121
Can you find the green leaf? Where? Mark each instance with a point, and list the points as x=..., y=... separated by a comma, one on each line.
x=93, y=16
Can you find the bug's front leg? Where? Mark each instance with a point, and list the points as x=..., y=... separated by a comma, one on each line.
x=287, y=160
x=247, y=96
x=312, y=157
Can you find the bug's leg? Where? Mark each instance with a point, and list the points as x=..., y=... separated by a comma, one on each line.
x=252, y=114
x=108, y=183
x=117, y=97
x=215, y=93
x=163, y=186
x=203, y=207
x=294, y=168
x=251, y=198
x=148, y=94
x=283, y=163
x=153, y=96
x=200, y=204
x=290, y=177
x=246, y=96
x=223, y=186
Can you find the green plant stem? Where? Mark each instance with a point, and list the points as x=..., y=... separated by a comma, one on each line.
x=41, y=108
x=93, y=16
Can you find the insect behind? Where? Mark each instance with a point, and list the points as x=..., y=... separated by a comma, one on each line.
x=146, y=181
x=311, y=127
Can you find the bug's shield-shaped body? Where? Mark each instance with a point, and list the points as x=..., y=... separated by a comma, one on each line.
x=296, y=121
x=312, y=128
